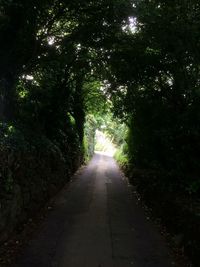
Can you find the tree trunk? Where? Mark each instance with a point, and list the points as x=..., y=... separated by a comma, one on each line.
x=7, y=98
x=79, y=113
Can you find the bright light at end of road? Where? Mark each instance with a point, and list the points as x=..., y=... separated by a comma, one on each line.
x=104, y=145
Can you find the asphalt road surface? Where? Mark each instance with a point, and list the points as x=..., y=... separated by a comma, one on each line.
x=96, y=221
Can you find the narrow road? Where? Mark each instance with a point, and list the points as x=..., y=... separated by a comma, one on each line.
x=96, y=222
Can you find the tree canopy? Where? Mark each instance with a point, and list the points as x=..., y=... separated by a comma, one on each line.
x=62, y=60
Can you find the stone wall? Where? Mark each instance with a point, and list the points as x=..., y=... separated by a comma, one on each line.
x=30, y=173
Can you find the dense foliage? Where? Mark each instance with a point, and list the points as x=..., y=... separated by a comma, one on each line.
x=50, y=57
x=155, y=67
